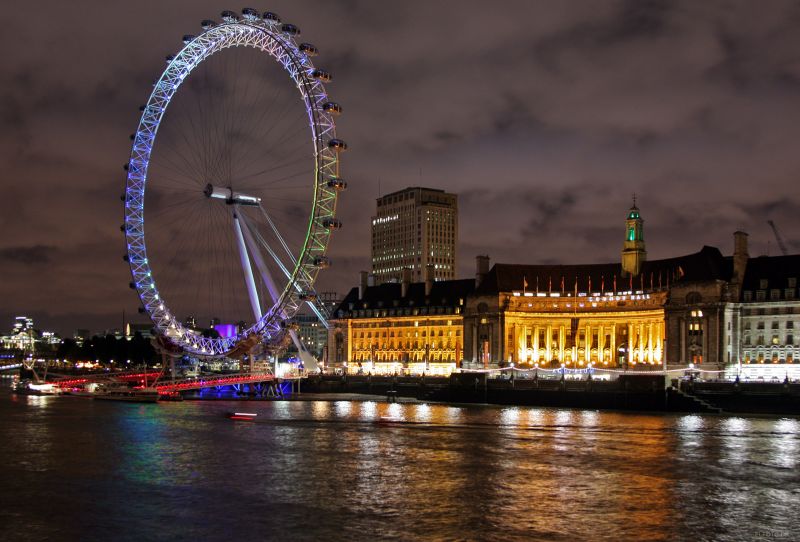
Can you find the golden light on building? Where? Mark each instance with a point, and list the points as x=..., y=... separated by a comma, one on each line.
x=400, y=328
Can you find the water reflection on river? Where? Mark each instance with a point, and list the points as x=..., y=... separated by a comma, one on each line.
x=76, y=469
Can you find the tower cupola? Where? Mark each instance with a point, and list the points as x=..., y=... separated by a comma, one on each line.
x=633, y=250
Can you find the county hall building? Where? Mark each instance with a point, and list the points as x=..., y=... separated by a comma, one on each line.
x=703, y=308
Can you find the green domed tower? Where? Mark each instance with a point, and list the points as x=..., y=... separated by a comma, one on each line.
x=633, y=251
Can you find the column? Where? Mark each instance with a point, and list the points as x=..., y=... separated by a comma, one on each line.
x=704, y=342
x=613, y=347
x=631, y=343
x=549, y=344
x=536, y=355
x=587, y=356
x=641, y=342
x=349, y=341
x=601, y=342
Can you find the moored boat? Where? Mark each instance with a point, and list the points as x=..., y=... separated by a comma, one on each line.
x=124, y=393
x=27, y=387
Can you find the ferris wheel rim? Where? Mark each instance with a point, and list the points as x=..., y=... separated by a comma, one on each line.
x=271, y=38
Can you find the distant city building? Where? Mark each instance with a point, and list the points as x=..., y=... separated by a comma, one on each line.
x=25, y=339
x=313, y=333
x=145, y=330
x=411, y=229
x=116, y=332
x=23, y=336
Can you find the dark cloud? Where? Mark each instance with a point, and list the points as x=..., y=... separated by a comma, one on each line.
x=544, y=116
x=27, y=256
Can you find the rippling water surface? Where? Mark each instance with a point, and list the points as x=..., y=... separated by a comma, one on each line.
x=77, y=469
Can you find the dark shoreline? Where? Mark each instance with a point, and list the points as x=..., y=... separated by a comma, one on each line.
x=629, y=393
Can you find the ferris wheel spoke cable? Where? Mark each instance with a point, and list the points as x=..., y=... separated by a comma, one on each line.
x=278, y=235
x=171, y=268
x=274, y=167
x=275, y=149
x=183, y=149
x=244, y=120
x=274, y=256
x=286, y=221
x=164, y=161
x=230, y=121
x=284, y=179
x=266, y=276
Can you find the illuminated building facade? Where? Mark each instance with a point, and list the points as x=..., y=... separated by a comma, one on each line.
x=578, y=315
x=760, y=326
x=400, y=328
x=414, y=228
x=631, y=314
x=716, y=312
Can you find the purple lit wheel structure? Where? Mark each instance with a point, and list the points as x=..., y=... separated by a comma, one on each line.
x=235, y=204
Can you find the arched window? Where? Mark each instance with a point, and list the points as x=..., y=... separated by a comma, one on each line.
x=693, y=298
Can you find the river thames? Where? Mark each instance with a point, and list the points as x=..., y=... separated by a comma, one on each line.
x=77, y=469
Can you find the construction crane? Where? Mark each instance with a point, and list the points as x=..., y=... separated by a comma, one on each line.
x=778, y=238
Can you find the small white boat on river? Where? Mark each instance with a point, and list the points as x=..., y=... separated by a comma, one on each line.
x=124, y=393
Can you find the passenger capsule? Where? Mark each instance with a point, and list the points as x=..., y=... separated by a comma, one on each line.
x=332, y=107
x=338, y=145
x=142, y=107
x=308, y=49
x=323, y=262
x=229, y=16
x=308, y=296
x=290, y=29
x=125, y=257
x=332, y=224
x=170, y=58
x=132, y=285
x=133, y=136
x=126, y=167
x=205, y=24
x=141, y=310
x=250, y=14
x=122, y=229
x=187, y=39
x=122, y=197
x=336, y=183
x=321, y=75
x=271, y=18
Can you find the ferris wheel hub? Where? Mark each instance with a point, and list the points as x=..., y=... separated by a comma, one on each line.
x=230, y=196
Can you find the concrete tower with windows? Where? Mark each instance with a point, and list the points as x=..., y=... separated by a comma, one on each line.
x=412, y=229
x=633, y=251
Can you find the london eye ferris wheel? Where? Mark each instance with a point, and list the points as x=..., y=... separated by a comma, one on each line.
x=232, y=185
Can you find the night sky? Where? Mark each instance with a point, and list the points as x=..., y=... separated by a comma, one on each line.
x=543, y=116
